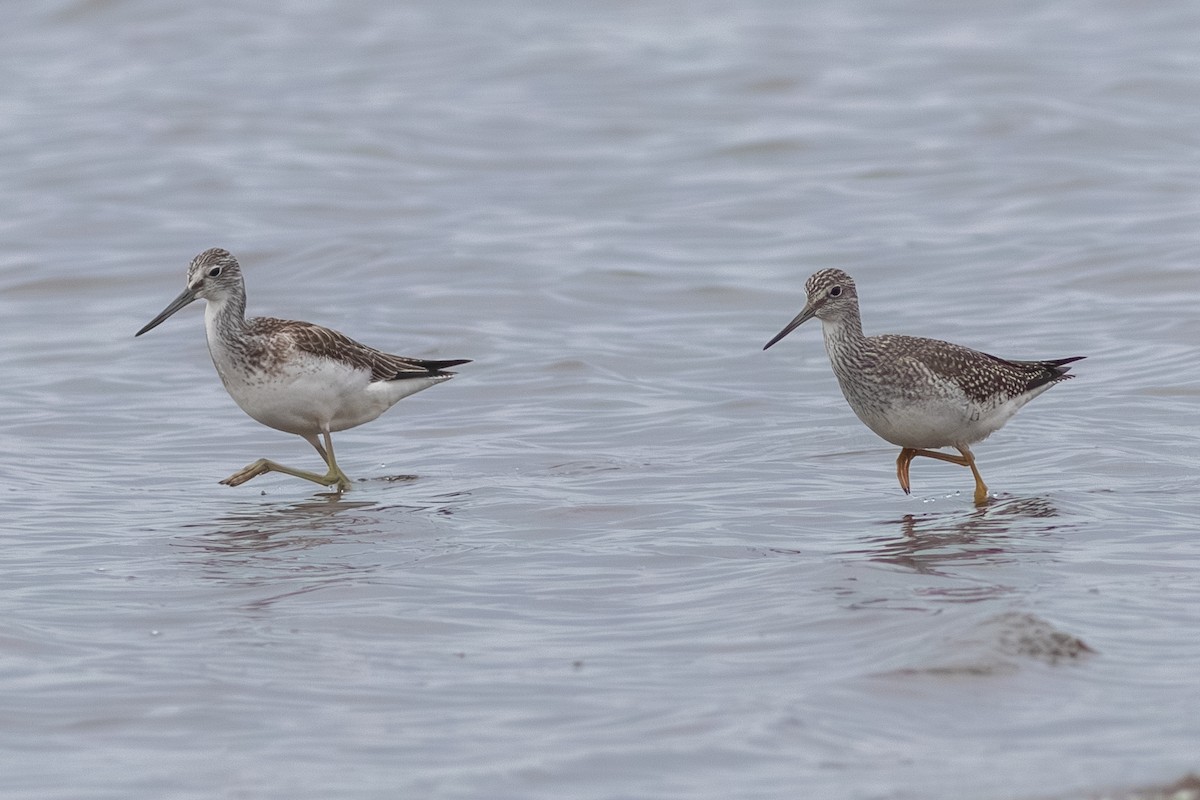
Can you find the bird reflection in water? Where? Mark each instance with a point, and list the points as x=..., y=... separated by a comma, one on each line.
x=927, y=543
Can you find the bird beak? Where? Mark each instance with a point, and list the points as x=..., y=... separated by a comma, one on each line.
x=179, y=302
x=804, y=316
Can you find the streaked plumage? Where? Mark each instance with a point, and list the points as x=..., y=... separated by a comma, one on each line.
x=919, y=393
x=295, y=376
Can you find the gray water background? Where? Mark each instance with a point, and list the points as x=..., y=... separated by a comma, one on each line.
x=625, y=554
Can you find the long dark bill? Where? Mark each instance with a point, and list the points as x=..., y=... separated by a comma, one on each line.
x=179, y=302
x=801, y=318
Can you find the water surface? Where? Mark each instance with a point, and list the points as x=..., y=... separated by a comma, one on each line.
x=625, y=553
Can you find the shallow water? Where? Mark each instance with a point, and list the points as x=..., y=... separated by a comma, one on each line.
x=625, y=553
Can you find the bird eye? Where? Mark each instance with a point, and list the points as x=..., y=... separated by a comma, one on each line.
x=836, y=291
x=214, y=272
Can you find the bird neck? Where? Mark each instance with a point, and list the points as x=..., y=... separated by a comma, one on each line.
x=225, y=319
x=843, y=335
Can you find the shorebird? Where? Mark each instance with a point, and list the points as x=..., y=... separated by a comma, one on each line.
x=295, y=376
x=920, y=393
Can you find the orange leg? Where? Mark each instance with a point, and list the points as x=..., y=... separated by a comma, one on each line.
x=967, y=459
x=906, y=457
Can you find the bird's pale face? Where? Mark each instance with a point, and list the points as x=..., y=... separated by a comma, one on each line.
x=213, y=275
x=831, y=293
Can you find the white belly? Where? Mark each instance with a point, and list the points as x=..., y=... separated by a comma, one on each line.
x=941, y=421
x=312, y=394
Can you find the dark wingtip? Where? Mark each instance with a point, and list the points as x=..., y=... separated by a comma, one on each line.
x=432, y=367
x=1058, y=369
x=438, y=366
x=1059, y=365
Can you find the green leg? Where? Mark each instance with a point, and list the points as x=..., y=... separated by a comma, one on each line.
x=333, y=477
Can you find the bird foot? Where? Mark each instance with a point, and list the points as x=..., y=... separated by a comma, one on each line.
x=907, y=454
x=335, y=477
x=260, y=467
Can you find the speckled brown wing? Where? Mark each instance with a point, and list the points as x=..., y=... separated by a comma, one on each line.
x=383, y=366
x=981, y=376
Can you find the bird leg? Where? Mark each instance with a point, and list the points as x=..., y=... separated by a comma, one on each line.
x=906, y=457
x=967, y=459
x=334, y=476
x=981, y=490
